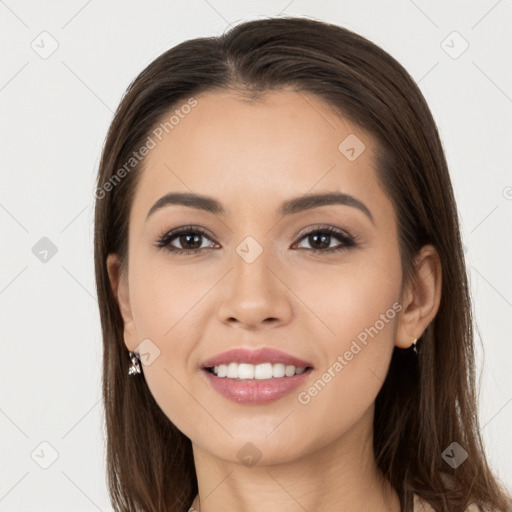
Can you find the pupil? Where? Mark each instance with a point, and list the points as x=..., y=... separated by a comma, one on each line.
x=185, y=238
x=322, y=236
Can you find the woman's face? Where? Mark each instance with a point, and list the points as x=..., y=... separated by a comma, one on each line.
x=254, y=281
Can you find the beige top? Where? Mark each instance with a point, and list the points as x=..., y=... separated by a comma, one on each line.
x=419, y=506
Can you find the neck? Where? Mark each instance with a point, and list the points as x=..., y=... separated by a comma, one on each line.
x=340, y=476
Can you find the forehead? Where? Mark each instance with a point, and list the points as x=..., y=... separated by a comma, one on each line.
x=283, y=144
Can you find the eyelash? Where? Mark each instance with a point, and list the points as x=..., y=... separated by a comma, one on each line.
x=348, y=240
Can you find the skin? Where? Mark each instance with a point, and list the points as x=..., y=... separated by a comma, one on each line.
x=252, y=156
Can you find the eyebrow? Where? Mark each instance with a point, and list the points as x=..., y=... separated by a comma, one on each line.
x=289, y=207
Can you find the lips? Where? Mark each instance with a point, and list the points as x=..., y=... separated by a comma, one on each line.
x=258, y=356
x=255, y=392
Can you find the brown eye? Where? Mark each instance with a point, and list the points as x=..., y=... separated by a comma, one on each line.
x=189, y=239
x=320, y=240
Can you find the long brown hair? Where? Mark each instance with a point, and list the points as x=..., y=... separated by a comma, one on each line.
x=427, y=401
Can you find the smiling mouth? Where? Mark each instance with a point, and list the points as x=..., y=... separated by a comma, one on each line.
x=263, y=371
x=249, y=384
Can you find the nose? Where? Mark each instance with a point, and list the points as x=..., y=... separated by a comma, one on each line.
x=255, y=295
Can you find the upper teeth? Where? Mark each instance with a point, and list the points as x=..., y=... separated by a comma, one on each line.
x=258, y=371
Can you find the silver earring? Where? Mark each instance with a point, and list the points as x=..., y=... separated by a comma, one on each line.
x=414, y=346
x=135, y=366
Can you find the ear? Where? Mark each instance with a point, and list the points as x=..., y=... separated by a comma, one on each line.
x=119, y=284
x=421, y=298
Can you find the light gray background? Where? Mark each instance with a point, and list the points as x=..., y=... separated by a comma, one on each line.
x=55, y=112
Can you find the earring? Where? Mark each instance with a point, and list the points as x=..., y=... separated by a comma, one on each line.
x=414, y=346
x=135, y=366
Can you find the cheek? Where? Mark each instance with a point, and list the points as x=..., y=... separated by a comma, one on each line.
x=163, y=295
x=352, y=297
x=166, y=302
x=358, y=305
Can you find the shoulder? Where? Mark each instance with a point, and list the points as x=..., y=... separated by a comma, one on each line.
x=421, y=505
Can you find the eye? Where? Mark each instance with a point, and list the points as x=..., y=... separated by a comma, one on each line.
x=189, y=237
x=320, y=239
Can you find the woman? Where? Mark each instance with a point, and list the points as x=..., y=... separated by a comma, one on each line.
x=277, y=242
